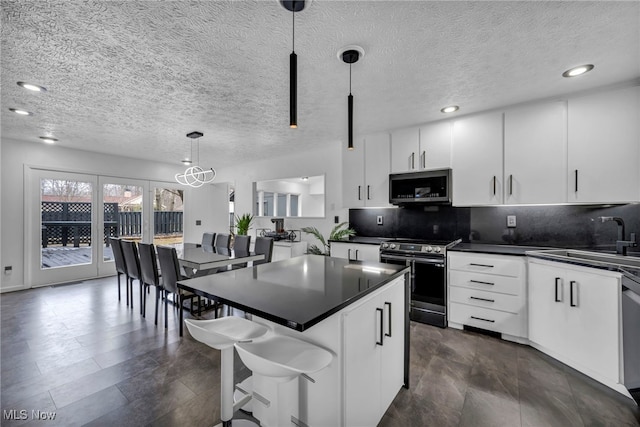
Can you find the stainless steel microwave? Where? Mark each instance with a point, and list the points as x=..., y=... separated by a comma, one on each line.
x=426, y=187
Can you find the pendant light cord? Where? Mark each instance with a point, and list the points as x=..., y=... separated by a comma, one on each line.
x=293, y=24
x=349, y=79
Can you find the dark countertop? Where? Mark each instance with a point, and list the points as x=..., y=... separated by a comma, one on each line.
x=298, y=292
x=363, y=240
x=496, y=249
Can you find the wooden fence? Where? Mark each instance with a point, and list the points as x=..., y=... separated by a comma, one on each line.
x=63, y=222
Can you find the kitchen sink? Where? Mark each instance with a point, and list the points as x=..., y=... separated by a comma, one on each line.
x=591, y=257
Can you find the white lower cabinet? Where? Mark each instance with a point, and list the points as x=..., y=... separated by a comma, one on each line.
x=373, y=356
x=355, y=251
x=488, y=292
x=574, y=316
x=285, y=250
x=358, y=386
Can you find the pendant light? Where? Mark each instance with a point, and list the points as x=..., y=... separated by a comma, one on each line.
x=293, y=6
x=195, y=176
x=350, y=55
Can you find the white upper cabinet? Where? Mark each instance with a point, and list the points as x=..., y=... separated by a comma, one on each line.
x=405, y=150
x=535, y=155
x=477, y=160
x=435, y=145
x=365, y=172
x=604, y=147
x=427, y=147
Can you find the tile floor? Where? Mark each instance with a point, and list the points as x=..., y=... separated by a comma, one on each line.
x=76, y=351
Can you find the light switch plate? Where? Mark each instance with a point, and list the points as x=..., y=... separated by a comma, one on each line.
x=511, y=221
x=379, y=220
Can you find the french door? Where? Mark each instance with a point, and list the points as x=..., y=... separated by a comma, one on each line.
x=70, y=217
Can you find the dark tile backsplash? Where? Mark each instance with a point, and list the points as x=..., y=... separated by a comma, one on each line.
x=555, y=226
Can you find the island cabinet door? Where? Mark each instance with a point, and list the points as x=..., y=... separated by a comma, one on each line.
x=362, y=327
x=373, y=352
x=392, y=357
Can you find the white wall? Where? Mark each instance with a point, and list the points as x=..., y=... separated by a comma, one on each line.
x=323, y=161
x=16, y=156
x=206, y=203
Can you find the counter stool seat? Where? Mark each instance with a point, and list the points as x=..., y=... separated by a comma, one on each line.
x=222, y=334
x=283, y=357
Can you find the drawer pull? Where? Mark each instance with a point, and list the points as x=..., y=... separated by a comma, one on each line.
x=484, y=320
x=483, y=299
x=481, y=265
x=481, y=282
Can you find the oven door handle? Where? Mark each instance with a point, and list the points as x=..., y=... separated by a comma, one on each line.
x=410, y=259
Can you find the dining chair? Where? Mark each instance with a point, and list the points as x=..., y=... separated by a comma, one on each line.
x=121, y=266
x=208, y=239
x=132, y=260
x=223, y=244
x=241, y=248
x=170, y=267
x=150, y=275
x=264, y=246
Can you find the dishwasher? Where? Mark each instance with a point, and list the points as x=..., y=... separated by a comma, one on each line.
x=631, y=333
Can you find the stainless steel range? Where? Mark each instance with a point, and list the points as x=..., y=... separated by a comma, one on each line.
x=428, y=262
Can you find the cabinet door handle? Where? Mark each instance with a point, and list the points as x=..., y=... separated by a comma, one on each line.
x=482, y=283
x=357, y=254
x=556, y=296
x=349, y=254
x=510, y=185
x=359, y=188
x=389, y=318
x=494, y=185
x=413, y=160
x=480, y=265
x=571, y=293
x=368, y=192
x=380, y=342
x=483, y=299
x=484, y=320
x=576, y=188
x=424, y=159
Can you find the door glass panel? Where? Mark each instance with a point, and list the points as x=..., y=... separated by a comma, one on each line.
x=65, y=225
x=168, y=216
x=123, y=214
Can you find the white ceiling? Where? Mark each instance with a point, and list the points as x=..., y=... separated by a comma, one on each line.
x=134, y=77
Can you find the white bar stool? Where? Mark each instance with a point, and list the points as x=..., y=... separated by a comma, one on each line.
x=282, y=359
x=222, y=334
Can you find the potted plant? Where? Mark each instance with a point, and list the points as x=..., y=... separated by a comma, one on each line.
x=338, y=233
x=243, y=224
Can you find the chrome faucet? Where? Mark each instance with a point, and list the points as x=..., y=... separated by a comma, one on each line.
x=621, y=244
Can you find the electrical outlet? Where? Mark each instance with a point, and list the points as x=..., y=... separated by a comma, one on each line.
x=379, y=220
x=336, y=219
x=198, y=222
x=511, y=221
x=8, y=269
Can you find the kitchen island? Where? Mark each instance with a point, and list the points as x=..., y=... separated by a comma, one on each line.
x=358, y=311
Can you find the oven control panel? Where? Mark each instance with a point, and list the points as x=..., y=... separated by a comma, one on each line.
x=412, y=248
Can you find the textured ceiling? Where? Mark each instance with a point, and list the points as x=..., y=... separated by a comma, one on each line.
x=133, y=77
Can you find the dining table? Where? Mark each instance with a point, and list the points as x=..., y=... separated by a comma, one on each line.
x=199, y=258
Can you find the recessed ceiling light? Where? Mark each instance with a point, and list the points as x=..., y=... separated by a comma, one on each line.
x=450, y=109
x=186, y=161
x=305, y=178
x=32, y=87
x=48, y=139
x=578, y=71
x=21, y=112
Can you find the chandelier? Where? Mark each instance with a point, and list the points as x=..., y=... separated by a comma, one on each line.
x=195, y=176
